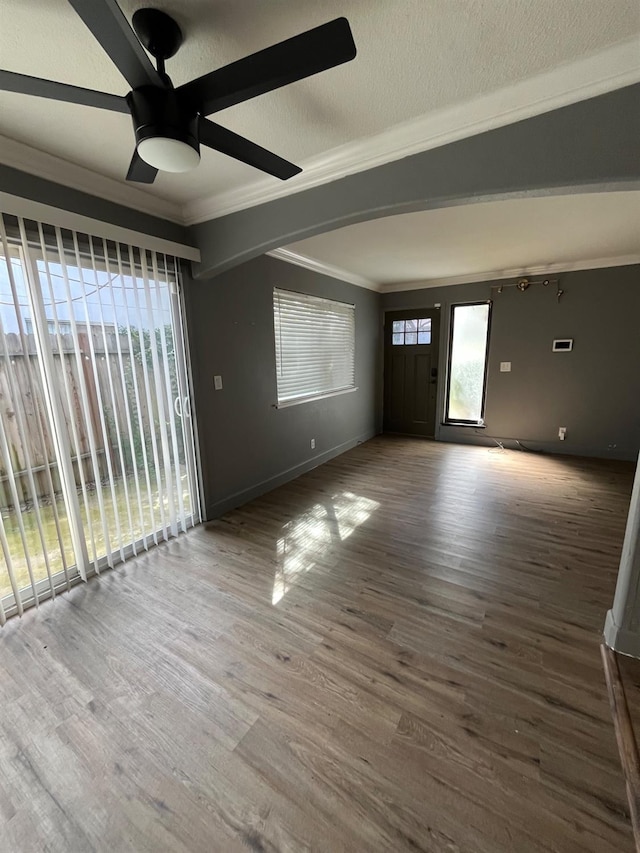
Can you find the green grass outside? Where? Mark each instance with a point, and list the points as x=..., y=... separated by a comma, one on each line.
x=121, y=508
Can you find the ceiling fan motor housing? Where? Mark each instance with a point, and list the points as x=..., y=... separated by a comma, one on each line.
x=157, y=112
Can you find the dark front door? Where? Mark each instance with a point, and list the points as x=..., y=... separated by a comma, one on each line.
x=411, y=371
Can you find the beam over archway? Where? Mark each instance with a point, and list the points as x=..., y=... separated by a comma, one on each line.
x=589, y=146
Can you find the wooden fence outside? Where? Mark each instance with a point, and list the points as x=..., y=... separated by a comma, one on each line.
x=22, y=392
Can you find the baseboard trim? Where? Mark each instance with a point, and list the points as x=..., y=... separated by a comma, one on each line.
x=619, y=639
x=242, y=497
x=622, y=454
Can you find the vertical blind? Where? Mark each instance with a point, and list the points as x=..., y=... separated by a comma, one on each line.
x=315, y=345
x=97, y=455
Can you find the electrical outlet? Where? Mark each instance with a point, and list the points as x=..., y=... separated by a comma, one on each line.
x=217, y=383
x=313, y=444
x=505, y=367
x=562, y=432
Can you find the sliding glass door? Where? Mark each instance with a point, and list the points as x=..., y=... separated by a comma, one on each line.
x=97, y=457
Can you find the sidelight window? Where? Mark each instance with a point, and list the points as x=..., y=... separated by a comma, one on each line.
x=468, y=350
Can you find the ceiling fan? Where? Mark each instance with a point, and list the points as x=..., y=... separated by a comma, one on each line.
x=170, y=124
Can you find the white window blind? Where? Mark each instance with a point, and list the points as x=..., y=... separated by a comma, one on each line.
x=315, y=346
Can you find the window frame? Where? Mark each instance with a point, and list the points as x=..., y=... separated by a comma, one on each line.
x=478, y=424
x=316, y=395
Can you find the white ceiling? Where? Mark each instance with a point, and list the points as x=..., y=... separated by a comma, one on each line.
x=415, y=57
x=482, y=241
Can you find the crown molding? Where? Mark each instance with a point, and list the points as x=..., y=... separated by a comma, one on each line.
x=516, y=272
x=325, y=269
x=602, y=72
x=17, y=155
x=448, y=281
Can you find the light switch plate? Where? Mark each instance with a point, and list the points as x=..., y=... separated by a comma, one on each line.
x=217, y=383
x=505, y=367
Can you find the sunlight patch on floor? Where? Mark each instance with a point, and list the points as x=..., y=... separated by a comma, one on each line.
x=308, y=537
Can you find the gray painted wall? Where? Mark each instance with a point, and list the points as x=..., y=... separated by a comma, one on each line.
x=593, y=391
x=592, y=145
x=21, y=184
x=247, y=445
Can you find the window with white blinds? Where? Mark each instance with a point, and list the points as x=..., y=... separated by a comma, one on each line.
x=315, y=346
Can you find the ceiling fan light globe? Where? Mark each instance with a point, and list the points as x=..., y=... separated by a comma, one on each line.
x=167, y=154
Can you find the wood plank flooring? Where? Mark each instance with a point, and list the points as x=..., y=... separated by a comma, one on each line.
x=396, y=652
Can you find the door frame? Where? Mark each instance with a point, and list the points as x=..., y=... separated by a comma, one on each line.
x=436, y=342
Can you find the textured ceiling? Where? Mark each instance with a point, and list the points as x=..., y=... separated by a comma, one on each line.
x=475, y=239
x=414, y=56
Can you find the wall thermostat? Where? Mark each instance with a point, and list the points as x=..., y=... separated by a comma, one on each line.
x=563, y=345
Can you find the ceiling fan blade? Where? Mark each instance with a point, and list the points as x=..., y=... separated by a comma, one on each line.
x=228, y=142
x=110, y=27
x=11, y=82
x=294, y=59
x=141, y=172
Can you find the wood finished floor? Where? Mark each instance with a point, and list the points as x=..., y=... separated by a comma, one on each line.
x=397, y=651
